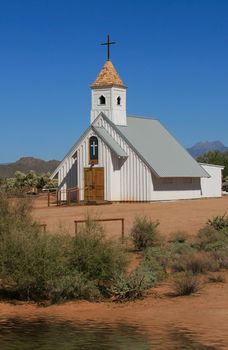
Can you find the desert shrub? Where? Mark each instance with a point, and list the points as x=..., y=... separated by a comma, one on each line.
x=209, y=238
x=176, y=249
x=179, y=237
x=221, y=257
x=219, y=222
x=72, y=286
x=129, y=287
x=224, y=233
x=146, y=275
x=14, y=213
x=37, y=265
x=144, y=233
x=156, y=259
x=185, y=284
x=216, y=279
x=30, y=259
x=195, y=263
x=96, y=256
x=216, y=246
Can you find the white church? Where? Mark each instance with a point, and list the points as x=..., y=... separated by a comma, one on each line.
x=130, y=158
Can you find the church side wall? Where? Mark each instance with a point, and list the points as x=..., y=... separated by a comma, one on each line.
x=212, y=187
x=176, y=188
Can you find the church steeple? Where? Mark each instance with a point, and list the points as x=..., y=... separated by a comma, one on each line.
x=108, y=77
x=109, y=95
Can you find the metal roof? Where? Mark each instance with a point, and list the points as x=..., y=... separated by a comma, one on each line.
x=159, y=149
x=111, y=143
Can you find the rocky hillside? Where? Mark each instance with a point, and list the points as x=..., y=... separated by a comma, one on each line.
x=201, y=148
x=26, y=164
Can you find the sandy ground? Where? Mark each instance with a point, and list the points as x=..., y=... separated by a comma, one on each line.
x=205, y=314
x=185, y=215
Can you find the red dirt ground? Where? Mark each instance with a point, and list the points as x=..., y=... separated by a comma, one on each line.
x=185, y=215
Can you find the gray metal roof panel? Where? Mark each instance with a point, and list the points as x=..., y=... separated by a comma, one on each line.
x=112, y=144
x=160, y=149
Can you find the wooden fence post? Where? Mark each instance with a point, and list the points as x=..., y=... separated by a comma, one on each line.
x=48, y=198
x=75, y=227
x=76, y=222
x=122, y=233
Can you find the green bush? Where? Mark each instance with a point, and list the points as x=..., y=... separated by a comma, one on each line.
x=72, y=286
x=195, y=263
x=129, y=287
x=215, y=242
x=146, y=275
x=176, y=249
x=219, y=222
x=221, y=257
x=94, y=255
x=185, y=284
x=29, y=259
x=209, y=238
x=36, y=265
x=144, y=233
x=179, y=237
x=156, y=259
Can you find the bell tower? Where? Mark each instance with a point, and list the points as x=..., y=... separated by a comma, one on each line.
x=109, y=94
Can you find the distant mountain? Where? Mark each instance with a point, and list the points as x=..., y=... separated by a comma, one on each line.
x=26, y=164
x=201, y=148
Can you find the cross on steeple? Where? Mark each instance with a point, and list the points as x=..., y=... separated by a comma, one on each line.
x=108, y=46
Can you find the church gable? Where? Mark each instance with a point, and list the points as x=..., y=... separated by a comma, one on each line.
x=103, y=122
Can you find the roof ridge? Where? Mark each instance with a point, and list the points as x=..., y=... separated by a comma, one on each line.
x=142, y=117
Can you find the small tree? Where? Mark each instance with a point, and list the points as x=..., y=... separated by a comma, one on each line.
x=31, y=181
x=19, y=179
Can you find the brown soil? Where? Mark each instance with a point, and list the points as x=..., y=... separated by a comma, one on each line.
x=205, y=313
x=185, y=215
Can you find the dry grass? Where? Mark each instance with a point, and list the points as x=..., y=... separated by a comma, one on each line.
x=185, y=284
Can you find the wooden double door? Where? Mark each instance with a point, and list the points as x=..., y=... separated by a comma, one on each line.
x=94, y=184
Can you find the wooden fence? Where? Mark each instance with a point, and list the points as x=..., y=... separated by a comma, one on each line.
x=67, y=197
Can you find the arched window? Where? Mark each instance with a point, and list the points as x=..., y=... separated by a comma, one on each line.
x=93, y=150
x=118, y=100
x=102, y=100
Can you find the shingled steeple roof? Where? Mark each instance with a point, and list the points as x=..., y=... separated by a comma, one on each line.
x=108, y=77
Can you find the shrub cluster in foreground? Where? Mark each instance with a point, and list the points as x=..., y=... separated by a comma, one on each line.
x=186, y=258
x=36, y=265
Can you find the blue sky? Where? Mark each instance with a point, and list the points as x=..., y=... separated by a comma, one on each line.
x=172, y=55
